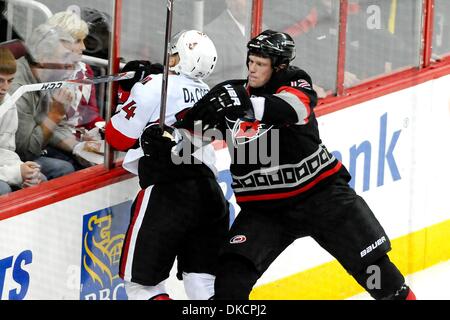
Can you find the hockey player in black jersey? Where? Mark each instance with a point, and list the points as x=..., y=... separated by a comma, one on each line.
x=305, y=192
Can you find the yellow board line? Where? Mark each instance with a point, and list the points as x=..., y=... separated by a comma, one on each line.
x=392, y=16
x=329, y=281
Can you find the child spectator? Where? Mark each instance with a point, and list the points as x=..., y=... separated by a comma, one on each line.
x=14, y=173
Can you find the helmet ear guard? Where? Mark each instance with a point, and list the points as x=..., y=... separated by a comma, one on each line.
x=197, y=53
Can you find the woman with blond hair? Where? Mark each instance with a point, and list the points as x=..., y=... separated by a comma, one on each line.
x=83, y=112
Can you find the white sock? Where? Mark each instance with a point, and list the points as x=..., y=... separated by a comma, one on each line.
x=198, y=286
x=136, y=291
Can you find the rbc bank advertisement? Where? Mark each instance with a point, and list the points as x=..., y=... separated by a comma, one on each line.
x=103, y=236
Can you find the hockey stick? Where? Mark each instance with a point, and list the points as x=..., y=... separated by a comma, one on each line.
x=162, y=112
x=44, y=86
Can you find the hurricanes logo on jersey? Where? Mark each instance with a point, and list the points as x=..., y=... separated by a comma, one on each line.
x=248, y=129
x=238, y=239
x=244, y=130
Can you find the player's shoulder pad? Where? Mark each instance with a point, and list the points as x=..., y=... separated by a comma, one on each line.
x=143, y=93
x=301, y=83
x=150, y=83
x=298, y=78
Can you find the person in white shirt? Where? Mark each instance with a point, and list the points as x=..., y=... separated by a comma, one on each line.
x=14, y=173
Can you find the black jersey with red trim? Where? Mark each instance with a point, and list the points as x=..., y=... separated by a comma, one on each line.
x=281, y=156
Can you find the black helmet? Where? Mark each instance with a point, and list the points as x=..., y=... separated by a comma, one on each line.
x=97, y=40
x=278, y=46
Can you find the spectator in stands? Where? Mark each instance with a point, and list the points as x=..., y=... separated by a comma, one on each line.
x=230, y=32
x=41, y=130
x=83, y=112
x=5, y=26
x=441, y=33
x=97, y=40
x=14, y=173
x=371, y=49
x=317, y=34
x=381, y=38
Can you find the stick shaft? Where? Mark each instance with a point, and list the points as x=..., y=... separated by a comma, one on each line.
x=44, y=86
x=162, y=113
x=106, y=78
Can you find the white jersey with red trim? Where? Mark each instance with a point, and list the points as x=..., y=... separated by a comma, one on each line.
x=143, y=107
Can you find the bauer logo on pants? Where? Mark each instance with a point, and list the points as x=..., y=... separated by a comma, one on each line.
x=238, y=239
x=102, y=241
x=373, y=246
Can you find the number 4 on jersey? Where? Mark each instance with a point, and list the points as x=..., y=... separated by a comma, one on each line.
x=129, y=109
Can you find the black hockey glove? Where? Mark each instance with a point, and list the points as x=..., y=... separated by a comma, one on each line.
x=142, y=68
x=228, y=99
x=156, y=143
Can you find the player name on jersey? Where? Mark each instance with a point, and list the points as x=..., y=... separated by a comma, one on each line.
x=193, y=95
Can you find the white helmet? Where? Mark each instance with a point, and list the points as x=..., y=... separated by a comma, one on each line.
x=198, y=55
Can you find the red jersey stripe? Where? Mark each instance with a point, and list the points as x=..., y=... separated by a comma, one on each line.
x=126, y=244
x=117, y=139
x=301, y=95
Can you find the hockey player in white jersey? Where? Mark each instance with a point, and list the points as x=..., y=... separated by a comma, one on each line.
x=180, y=211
